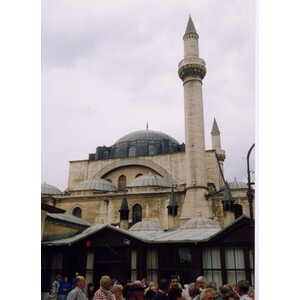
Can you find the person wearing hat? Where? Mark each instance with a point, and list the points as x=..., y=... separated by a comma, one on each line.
x=136, y=292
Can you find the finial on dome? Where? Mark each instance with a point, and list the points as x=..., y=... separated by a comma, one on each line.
x=147, y=125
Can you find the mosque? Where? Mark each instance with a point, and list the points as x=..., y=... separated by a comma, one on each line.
x=150, y=206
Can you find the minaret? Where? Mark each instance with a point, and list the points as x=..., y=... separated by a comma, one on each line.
x=216, y=145
x=124, y=213
x=191, y=71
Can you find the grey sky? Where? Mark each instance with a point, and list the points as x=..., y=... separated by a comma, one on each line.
x=109, y=67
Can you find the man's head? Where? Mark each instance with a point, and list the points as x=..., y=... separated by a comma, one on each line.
x=80, y=280
x=137, y=291
x=243, y=287
x=105, y=282
x=174, y=281
x=164, y=285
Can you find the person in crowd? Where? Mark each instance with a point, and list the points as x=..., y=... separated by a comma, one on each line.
x=136, y=292
x=225, y=289
x=55, y=287
x=90, y=290
x=152, y=286
x=175, y=282
x=79, y=292
x=208, y=294
x=145, y=282
x=243, y=289
x=64, y=289
x=202, y=282
x=74, y=282
x=175, y=293
x=194, y=291
x=149, y=294
x=251, y=292
x=117, y=291
x=163, y=289
x=104, y=292
x=231, y=296
x=126, y=289
x=213, y=285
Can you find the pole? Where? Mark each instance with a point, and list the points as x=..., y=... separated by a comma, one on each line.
x=250, y=196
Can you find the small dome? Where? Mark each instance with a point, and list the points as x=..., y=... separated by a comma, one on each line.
x=146, y=226
x=235, y=185
x=150, y=180
x=49, y=189
x=95, y=183
x=145, y=135
x=199, y=222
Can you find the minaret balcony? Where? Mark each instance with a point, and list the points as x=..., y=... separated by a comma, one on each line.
x=192, y=66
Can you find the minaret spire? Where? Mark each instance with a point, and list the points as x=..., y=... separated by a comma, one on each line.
x=190, y=28
x=216, y=145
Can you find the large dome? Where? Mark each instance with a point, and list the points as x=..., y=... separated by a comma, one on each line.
x=49, y=189
x=146, y=135
x=95, y=183
x=150, y=180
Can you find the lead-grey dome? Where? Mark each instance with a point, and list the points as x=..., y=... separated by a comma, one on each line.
x=146, y=226
x=49, y=189
x=95, y=183
x=150, y=180
x=145, y=135
x=235, y=185
x=199, y=222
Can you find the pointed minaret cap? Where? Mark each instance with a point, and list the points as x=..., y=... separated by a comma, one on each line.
x=124, y=205
x=173, y=201
x=215, y=128
x=190, y=27
x=227, y=193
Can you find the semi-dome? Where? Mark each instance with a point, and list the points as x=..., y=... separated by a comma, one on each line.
x=199, y=222
x=146, y=225
x=95, y=183
x=49, y=189
x=235, y=185
x=150, y=180
x=145, y=135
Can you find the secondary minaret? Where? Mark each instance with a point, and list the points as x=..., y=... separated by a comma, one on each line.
x=191, y=71
x=216, y=145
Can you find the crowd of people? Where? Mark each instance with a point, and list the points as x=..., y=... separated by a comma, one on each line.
x=165, y=289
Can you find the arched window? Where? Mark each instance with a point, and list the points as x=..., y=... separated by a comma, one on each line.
x=122, y=182
x=77, y=212
x=136, y=213
x=139, y=175
x=151, y=150
x=132, y=151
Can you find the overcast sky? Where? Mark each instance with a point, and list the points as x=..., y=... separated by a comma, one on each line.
x=108, y=67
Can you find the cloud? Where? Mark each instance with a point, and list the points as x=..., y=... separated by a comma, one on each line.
x=107, y=68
